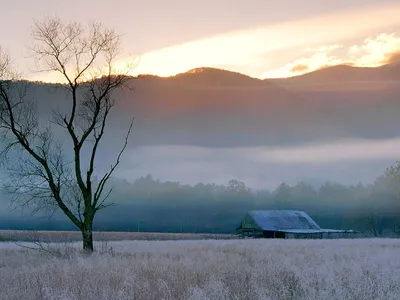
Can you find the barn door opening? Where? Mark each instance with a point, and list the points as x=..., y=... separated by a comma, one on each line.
x=273, y=235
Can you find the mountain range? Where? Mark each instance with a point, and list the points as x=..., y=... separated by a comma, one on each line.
x=217, y=108
x=211, y=125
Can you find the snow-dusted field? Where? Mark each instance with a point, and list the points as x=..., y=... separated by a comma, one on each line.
x=230, y=269
x=70, y=236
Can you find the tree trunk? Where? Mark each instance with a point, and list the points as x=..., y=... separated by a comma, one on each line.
x=87, y=237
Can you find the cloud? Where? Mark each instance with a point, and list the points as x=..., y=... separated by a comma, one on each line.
x=240, y=50
x=325, y=49
x=344, y=161
x=350, y=150
x=322, y=57
x=372, y=52
x=299, y=68
x=375, y=51
x=342, y=150
x=393, y=58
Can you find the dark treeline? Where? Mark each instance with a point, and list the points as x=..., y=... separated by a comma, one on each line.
x=152, y=205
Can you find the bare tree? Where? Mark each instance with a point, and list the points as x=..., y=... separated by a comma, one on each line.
x=42, y=173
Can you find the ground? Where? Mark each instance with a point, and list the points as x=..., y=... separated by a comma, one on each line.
x=68, y=236
x=204, y=269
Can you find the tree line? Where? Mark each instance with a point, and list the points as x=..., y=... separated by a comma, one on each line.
x=150, y=205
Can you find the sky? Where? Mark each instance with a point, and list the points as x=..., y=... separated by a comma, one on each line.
x=260, y=38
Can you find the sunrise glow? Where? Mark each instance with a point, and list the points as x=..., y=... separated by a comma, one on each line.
x=364, y=37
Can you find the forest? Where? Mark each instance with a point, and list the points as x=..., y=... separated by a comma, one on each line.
x=149, y=205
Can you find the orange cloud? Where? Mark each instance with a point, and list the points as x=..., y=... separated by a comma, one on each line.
x=302, y=65
x=299, y=68
x=372, y=52
x=393, y=58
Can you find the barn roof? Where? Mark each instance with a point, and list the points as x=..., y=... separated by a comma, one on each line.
x=283, y=220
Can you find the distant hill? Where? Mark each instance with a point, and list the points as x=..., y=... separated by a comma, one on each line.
x=199, y=125
x=216, y=77
x=345, y=73
x=212, y=107
x=217, y=108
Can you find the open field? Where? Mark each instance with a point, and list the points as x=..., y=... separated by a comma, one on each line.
x=71, y=236
x=205, y=269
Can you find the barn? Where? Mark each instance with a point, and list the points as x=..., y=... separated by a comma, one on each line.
x=285, y=224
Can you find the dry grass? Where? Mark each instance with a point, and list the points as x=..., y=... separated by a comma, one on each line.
x=230, y=269
x=70, y=236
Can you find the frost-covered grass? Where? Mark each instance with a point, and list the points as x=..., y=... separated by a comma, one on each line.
x=68, y=236
x=230, y=269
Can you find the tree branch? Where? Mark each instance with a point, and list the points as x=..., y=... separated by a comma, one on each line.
x=107, y=175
